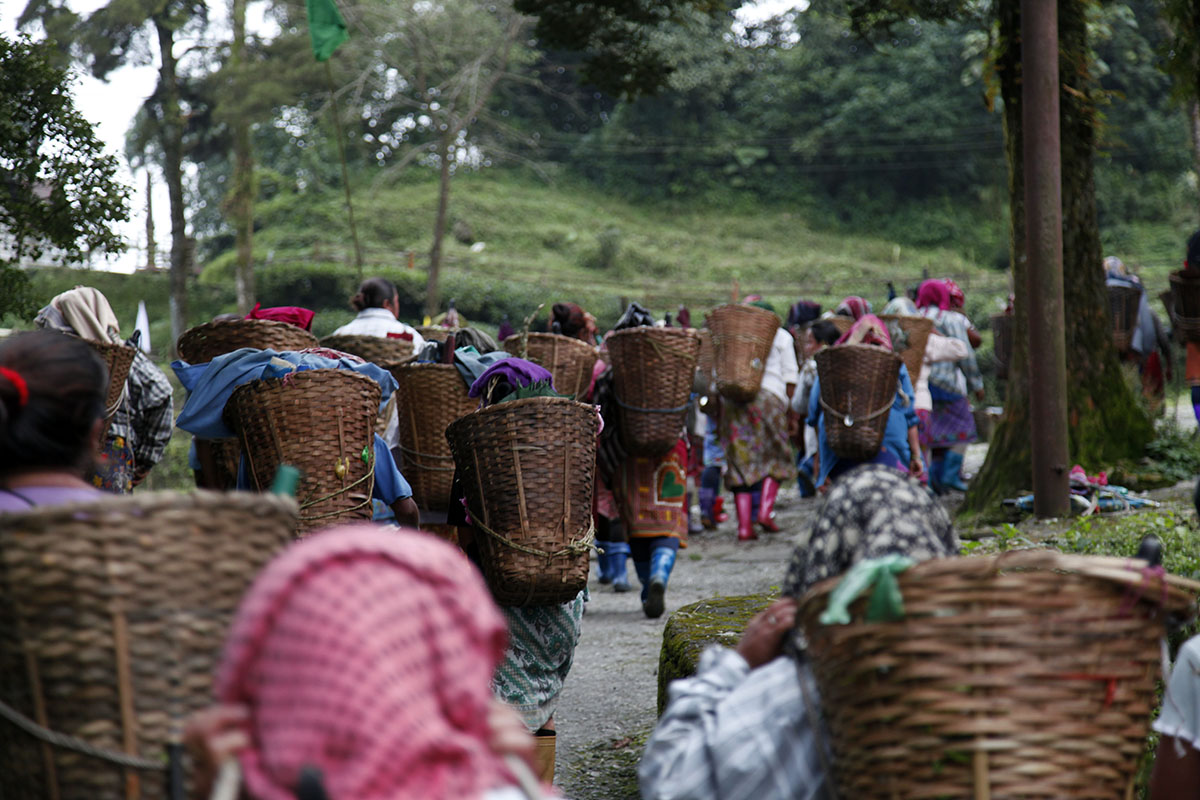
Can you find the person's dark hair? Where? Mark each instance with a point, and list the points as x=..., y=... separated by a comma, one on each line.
x=825, y=332
x=373, y=293
x=52, y=392
x=1193, y=251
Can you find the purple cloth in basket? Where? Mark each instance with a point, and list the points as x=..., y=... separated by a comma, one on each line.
x=516, y=371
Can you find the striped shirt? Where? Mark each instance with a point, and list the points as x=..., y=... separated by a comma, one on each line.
x=730, y=733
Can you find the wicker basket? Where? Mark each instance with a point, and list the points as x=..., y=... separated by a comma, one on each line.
x=322, y=422
x=705, y=360
x=112, y=619
x=1025, y=675
x=1123, y=309
x=858, y=387
x=1002, y=343
x=569, y=360
x=527, y=469
x=910, y=345
x=429, y=397
x=118, y=358
x=653, y=373
x=376, y=349
x=742, y=337
x=435, y=333
x=842, y=323
x=203, y=343
x=1185, y=305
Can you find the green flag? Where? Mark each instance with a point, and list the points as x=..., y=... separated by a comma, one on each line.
x=326, y=28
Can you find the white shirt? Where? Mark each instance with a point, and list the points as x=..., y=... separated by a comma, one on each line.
x=379, y=322
x=781, y=368
x=1180, y=715
x=937, y=349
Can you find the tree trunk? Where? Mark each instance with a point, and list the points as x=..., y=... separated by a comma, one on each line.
x=242, y=192
x=1106, y=420
x=432, y=289
x=151, y=246
x=172, y=145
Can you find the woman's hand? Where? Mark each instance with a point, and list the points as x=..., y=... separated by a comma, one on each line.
x=211, y=737
x=507, y=734
x=762, y=640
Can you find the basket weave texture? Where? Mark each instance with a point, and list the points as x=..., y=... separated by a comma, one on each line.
x=435, y=333
x=569, y=360
x=742, y=337
x=653, y=373
x=527, y=469
x=112, y=619
x=1002, y=342
x=118, y=358
x=917, y=329
x=377, y=349
x=205, y=342
x=1185, y=305
x=705, y=360
x=1026, y=675
x=429, y=398
x=1123, y=309
x=322, y=422
x=858, y=387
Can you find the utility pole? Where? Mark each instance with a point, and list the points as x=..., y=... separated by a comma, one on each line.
x=1044, y=252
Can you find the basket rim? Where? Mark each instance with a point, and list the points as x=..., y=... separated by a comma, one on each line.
x=545, y=335
x=1179, y=593
x=508, y=405
x=657, y=331
x=106, y=503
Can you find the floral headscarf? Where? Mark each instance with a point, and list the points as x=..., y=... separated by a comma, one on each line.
x=853, y=306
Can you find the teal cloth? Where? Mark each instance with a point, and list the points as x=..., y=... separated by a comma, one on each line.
x=886, y=603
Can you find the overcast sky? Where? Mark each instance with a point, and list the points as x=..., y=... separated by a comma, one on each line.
x=111, y=105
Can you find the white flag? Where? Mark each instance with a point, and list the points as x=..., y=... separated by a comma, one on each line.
x=143, y=326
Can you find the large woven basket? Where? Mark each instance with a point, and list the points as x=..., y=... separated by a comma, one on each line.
x=705, y=360
x=527, y=469
x=203, y=343
x=112, y=619
x=118, y=358
x=653, y=373
x=1002, y=343
x=429, y=397
x=1185, y=305
x=435, y=333
x=1025, y=675
x=569, y=360
x=910, y=343
x=742, y=337
x=322, y=422
x=377, y=349
x=1123, y=310
x=858, y=387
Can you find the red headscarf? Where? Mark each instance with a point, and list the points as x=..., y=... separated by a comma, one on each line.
x=957, y=298
x=855, y=305
x=933, y=293
x=293, y=315
x=367, y=655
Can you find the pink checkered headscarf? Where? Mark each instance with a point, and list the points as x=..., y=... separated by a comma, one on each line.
x=368, y=655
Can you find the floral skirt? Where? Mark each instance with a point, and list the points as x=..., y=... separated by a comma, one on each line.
x=541, y=649
x=756, y=441
x=115, y=466
x=950, y=423
x=651, y=494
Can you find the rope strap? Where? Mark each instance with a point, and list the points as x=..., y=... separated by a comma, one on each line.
x=845, y=414
x=627, y=407
x=66, y=742
x=581, y=545
x=370, y=476
x=409, y=452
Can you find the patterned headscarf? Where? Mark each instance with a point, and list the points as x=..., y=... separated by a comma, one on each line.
x=854, y=306
x=868, y=330
x=933, y=293
x=957, y=298
x=367, y=655
x=871, y=511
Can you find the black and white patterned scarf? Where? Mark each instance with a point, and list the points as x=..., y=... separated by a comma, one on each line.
x=871, y=511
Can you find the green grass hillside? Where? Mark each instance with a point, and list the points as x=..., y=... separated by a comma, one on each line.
x=544, y=241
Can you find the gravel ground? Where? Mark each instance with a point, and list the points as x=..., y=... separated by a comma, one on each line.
x=611, y=694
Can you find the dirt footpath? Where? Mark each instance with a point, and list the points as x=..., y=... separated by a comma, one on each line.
x=611, y=694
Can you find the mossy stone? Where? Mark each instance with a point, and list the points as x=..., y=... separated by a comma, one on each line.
x=718, y=620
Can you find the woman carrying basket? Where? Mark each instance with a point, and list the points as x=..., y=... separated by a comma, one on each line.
x=743, y=727
x=758, y=452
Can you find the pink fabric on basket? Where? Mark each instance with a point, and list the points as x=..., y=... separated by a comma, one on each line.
x=368, y=655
